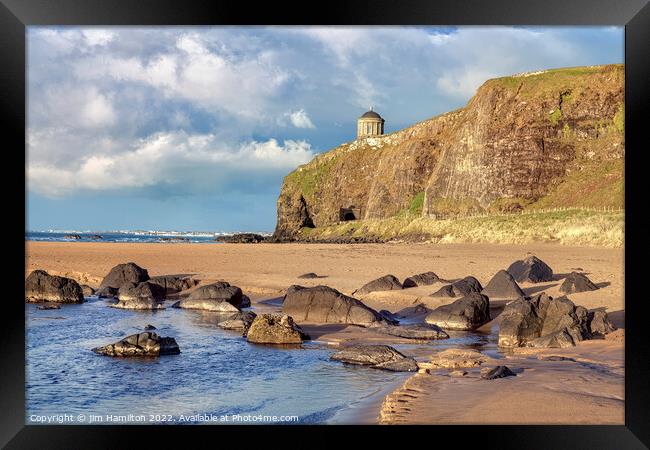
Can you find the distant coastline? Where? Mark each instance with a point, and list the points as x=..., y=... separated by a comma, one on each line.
x=143, y=236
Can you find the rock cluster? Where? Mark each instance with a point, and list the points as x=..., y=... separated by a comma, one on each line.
x=43, y=287
x=242, y=238
x=544, y=321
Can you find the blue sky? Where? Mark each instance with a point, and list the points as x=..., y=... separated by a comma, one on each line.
x=193, y=128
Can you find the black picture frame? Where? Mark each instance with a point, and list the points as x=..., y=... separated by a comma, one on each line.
x=15, y=15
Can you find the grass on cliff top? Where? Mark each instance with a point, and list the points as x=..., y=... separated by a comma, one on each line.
x=567, y=227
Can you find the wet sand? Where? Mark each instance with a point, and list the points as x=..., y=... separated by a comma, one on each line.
x=586, y=390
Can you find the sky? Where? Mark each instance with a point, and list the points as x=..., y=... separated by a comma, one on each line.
x=194, y=128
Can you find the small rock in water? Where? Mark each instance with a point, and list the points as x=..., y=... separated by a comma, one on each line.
x=240, y=321
x=423, y=331
x=141, y=344
x=87, y=290
x=48, y=307
x=275, y=329
x=497, y=372
x=149, y=327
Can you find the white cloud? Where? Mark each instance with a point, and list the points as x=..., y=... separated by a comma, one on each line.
x=300, y=119
x=176, y=158
x=97, y=36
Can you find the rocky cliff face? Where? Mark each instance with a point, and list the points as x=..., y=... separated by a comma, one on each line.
x=543, y=138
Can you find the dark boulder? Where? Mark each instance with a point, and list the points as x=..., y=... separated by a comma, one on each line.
x=43, y=287
x=599, y=323
x=577, y=282
x=309, y=275
x=385, y=283
x=141, y=344
x=421, y=331
x=532, y=269
x=460, y=288
x=466, y=313
x=275, y=329
x=76, y=237
x=496, y=372
x=421, y=279
x=375, y=356
x=519, y=324
x=145, y=296
x=410, y=311
x=124, y=273
x=173, y=284
x=503, y=286
x=322, y=304
x=87, y=290
x=219, y=291
x=149, y=327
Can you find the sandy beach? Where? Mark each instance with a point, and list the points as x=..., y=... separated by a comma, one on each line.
x=585, y=386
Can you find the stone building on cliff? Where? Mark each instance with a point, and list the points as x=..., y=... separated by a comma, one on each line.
x=370, y=124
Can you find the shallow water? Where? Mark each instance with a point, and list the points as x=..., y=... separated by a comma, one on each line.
x=218, y=374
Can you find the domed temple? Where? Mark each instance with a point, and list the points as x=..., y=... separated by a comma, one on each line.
x=370, y=124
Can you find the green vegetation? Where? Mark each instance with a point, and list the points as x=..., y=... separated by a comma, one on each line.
x=306, y=178
x=567, y=227
x=454, y=207
x=415, y=208
x=555, y=116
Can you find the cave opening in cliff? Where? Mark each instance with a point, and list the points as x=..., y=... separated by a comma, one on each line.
x=347, y=214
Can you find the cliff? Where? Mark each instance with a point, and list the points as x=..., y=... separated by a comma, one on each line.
x=546, y=139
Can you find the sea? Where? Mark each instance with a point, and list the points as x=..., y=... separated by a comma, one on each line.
x=198, y=237
x=218, y=378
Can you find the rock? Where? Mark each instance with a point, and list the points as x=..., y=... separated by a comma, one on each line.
x=275, y=329
x=375, y=356
x=87, y=290
x=466, y=313
x=460, y=288
x=124, y=273
x=95, y=237
x=577, y=282
x=149, y=327
x=48, y=306
x=385, y=283
x=43, y=287
x=322, y=304
x=220, y=291
x=457, y=373
x=245, y=301
x=411, y=311
x=141, y=291
x=532, y=270
x=421, y=331
x=455, y=358
x=497, y=372
x=174, y=239
x=76, y=237
x=309, y=275
x=206, y=304
x=519, y=324
x=173, y=284
x=242, y=238
x=558, y=339
x=142, y=344
x=421, y=279
x=107, y=292
x=293, y=288
x=503, y=286
x=544, y=322
x=599, y=323
x=240, y=321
